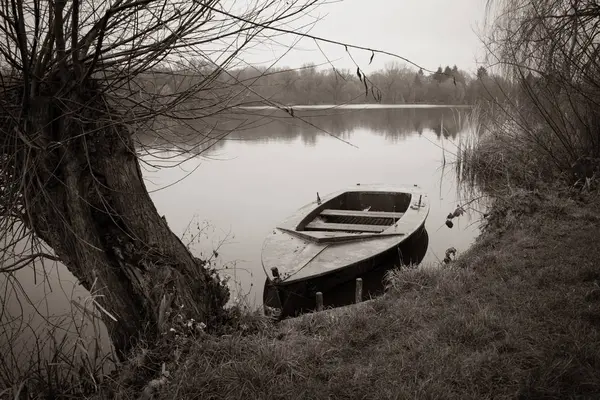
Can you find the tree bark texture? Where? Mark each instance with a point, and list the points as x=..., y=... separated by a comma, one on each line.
x=84, y=195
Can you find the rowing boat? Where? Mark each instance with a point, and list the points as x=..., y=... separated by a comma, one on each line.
x=337, y=238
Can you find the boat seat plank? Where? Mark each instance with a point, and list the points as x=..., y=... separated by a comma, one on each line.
x=345, y=227
x=356, y=213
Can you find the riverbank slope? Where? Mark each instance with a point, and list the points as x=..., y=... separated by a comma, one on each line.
x=517, y=316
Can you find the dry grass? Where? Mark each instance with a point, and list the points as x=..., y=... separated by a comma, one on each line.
x=63, y=355
x=515, y=317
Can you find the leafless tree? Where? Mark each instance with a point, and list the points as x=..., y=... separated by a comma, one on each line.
x=550, y=49
x=81, y=83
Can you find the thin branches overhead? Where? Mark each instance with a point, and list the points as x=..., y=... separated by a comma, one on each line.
x=80, y=83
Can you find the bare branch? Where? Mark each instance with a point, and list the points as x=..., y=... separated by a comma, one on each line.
x=25, y=261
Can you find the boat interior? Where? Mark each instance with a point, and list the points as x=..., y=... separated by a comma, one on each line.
x=359, y=212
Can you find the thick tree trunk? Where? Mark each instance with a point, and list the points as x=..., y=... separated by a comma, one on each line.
x=86, y=198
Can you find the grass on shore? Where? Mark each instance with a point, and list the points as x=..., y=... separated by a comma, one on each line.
x=517, y=316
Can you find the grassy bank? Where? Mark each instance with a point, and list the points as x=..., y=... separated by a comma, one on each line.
x=517, y=316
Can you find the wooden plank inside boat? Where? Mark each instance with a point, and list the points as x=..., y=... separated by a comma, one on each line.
x=355, y=213
x=328, y=226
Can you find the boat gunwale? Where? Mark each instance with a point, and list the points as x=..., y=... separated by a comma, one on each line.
x=292, y=222
x=291, y=280
x=341, y=238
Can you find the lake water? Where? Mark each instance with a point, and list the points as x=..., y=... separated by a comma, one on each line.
x=230, y=194
x=239, y=189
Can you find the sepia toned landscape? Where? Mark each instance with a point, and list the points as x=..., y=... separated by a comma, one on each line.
x=302, y=199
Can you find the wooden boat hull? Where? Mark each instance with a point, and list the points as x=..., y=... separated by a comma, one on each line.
x=335, y=239
x=298, y=297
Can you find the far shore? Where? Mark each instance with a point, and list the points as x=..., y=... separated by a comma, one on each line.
x=356, y=106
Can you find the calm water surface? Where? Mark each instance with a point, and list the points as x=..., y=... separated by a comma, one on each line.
x=229, y=194
x=238, y=190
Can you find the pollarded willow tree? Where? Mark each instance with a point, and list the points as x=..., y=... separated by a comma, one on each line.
x=79, y=79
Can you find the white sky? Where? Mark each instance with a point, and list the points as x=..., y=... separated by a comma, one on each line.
x=428, y=32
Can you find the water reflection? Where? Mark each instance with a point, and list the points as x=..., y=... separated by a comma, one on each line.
x=241, y=187
x=273, y=125
x=245, y=185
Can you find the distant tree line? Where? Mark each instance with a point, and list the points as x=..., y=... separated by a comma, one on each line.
x=395, y=84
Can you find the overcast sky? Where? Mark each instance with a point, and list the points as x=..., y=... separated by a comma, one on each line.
x=428, y=32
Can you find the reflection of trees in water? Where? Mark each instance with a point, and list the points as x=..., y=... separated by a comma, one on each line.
x=265, y=125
